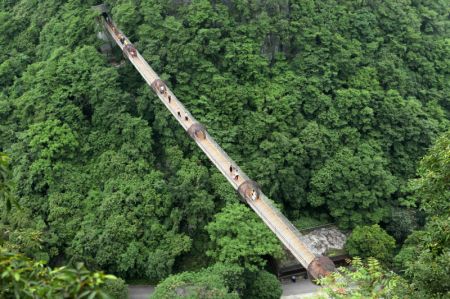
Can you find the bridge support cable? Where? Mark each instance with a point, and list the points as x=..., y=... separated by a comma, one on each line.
x=248, y=190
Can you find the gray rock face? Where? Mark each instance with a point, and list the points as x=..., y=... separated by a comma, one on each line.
x=324, y=239
x=320, y=241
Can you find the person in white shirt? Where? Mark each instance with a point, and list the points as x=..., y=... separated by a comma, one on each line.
x=254, y=196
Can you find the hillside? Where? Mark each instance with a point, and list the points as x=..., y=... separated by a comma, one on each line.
x=328, y=105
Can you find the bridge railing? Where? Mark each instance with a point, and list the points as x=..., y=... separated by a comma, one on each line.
x=287, y=222
x=281, y=236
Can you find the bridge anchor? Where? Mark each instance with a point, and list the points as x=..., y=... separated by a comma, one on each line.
x=320, y=267
x=249, y=190
x=196, y=130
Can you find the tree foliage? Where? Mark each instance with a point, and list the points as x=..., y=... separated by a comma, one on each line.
x=207, y=283
x=403, y=221
x=371, y=241
x=365, y=280
x=116, y=288
x=263, y=285
x=433, y=183
x=425, y=255
x=239, y=237
x=220, y=280
x=328, y=105
x=5, y=182
x=354, y=185
x=24, y=278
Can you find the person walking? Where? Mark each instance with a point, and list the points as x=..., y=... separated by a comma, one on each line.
x=170, y=98
x=236, y=174
x=186, y=118
x=121, y=38
x=179, y=114
x=293, y=278
x=254, y=196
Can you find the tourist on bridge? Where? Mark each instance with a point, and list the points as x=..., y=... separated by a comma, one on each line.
x=236, y=175
x=231, y=168
x=179, y=114
x=186, y=118
x=107, y=18
x=162, y=89
x=254, y=196
x=293, y=278
x=170, y=98
x=121, y=38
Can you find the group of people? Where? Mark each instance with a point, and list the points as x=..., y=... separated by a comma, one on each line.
x=123, y=40
x=254, y=195
x=234, y=172
x=186, y=117
x=163, y=90
x=119, y=35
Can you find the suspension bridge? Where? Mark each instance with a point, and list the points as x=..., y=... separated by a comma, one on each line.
x=249, y=191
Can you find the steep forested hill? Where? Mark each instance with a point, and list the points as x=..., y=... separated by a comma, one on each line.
x=329, y=105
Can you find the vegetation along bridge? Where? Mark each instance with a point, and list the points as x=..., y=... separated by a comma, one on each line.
x=249, y=191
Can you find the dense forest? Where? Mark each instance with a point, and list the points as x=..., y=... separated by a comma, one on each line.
x=338, y=109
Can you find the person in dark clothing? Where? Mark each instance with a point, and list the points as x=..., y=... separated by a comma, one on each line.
x=106, y=16
x=179, y=114
x=186, y=118
x=293, y=278
x=121, y=38
x=170, y=98
x=231, y=168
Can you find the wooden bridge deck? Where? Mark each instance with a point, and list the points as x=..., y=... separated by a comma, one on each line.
x=264, y=208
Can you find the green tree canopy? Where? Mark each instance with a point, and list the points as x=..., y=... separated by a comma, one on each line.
x=355, y=186
x=433, y=184
x=328, y=105
x=24, y=278
x=425, y=255
x=220, y=280
x=204, y=284
x=5, y=182
x=263, y=285
x=364, y=280
x=371, y=241
x=239, y=237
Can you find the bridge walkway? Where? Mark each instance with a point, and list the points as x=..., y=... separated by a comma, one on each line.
x=263, y=206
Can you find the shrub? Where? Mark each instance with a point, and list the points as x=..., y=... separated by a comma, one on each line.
x=371, y=241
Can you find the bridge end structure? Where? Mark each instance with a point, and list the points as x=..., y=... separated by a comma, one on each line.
x=101, y=8
x=197, y=130
x=320, y=267
x=249, y=189
x=317, y=266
